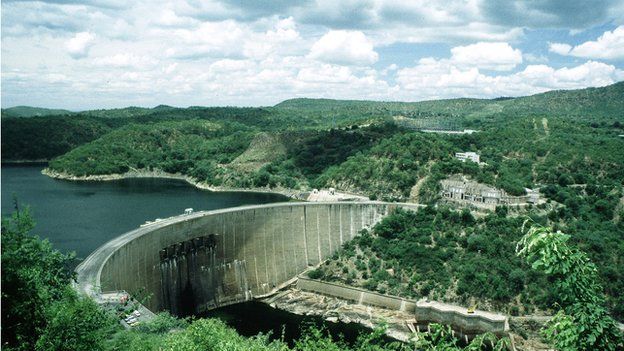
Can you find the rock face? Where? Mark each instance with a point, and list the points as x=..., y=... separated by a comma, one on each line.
x=264, y=149
x=334, y=309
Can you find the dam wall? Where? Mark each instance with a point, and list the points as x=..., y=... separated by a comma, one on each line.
x=423, y=311
x=188, y=264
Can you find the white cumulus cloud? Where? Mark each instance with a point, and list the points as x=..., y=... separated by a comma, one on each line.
x=345, y=48
x=78, y=46
x=432, y=79
x=494, y=56
x=559, y=48
x=212, y=52
x=609, y=46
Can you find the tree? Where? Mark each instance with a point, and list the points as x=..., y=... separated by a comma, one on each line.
x=40, y=311
x=440, y=338
x=582, y=322
x=33, y=276
x=77, y=324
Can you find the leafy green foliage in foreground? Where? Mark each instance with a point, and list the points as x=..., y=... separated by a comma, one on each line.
x=40, y=310
x=583, y=322
x=440, y=338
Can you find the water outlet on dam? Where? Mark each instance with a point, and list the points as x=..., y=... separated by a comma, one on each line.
x=193, y=280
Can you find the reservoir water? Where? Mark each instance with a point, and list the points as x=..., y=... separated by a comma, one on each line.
x=81, y=216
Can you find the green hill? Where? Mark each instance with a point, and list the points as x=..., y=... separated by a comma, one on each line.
x=29, y=111
x=589, y=104
x=42, y=138
x=449, y=108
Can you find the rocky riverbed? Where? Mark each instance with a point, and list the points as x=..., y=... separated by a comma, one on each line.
x=334, y=310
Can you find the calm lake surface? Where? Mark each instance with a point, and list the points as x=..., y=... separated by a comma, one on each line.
x=81, y=216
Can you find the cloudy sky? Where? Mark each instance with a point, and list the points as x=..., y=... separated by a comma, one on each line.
x=113, y=53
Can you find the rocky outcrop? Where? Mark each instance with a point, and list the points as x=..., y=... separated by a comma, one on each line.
x=334, y=309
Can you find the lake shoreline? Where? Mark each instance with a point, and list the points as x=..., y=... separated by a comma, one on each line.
x=141, y=173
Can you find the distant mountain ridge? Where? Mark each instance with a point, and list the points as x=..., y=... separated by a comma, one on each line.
x=29, y=111
x=606, y=100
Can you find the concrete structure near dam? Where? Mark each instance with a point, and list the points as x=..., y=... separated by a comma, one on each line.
x=191, y=263
x=194, y=262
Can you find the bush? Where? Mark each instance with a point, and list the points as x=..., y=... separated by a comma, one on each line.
x=316, y=274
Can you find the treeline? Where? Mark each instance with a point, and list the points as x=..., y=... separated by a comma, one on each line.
x=601, y=106
x=45, y=137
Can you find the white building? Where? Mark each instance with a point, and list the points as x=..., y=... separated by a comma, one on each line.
x=471, y=156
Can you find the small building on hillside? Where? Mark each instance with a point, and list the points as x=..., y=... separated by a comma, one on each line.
x=460, y=189
x=467, y=156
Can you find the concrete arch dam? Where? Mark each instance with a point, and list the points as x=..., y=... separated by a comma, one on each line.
x=192, y=263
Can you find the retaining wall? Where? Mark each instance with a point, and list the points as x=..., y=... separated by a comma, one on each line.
x=424, y=311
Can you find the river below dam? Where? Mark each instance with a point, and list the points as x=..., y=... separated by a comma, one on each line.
x=81, y=216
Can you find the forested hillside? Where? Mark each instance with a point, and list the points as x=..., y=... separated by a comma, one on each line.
x=42, y=138
x=191, y=147
x=599, y=106
x=588, y=103
x=451, y=256
x=569, y=155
